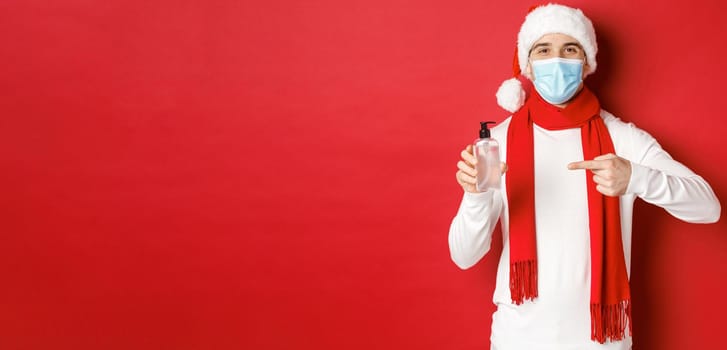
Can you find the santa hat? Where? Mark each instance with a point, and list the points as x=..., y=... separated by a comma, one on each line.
x=542, y=20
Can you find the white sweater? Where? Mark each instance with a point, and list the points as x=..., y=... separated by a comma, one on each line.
x=559, y=318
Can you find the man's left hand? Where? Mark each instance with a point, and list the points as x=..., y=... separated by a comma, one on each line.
x=610, y=172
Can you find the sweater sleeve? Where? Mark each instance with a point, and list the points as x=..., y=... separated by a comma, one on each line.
x=660, y=180
x=470, y=233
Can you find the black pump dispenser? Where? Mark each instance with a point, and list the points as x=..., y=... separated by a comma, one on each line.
x=484, y=131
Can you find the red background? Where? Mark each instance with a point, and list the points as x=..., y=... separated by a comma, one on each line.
x=280, y=174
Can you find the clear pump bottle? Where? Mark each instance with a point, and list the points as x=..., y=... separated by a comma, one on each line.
x=487, y=152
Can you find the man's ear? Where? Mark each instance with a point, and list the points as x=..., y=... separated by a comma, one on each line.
x=528, y=72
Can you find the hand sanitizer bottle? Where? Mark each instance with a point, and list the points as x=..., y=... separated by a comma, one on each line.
x=487, y=152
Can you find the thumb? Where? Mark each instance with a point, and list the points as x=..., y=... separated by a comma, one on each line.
x=605, y=156
x=503, y=168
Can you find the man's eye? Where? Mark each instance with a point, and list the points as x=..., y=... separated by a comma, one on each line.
x=571, y=50
x=542, y=51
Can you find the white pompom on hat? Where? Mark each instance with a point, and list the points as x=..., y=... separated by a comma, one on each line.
x=542, y=20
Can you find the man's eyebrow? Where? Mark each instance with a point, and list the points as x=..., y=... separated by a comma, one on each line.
x=541, y=44
x=572, y=43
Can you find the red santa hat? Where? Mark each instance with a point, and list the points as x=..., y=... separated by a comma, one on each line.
x=542, y=20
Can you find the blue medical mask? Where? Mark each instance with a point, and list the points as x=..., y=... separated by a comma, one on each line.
x=557, y=79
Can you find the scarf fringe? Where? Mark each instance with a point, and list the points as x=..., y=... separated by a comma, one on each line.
x=523, y=281
x=608, y=322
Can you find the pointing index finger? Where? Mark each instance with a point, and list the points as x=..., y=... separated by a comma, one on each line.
x=586, y=164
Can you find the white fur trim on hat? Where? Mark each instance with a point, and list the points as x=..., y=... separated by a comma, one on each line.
x=553, y=18
x=511, y=95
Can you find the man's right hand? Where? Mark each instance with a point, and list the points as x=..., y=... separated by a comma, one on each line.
x=467, y=175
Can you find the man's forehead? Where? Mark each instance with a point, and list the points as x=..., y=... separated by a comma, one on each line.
x=557, y=38
x=547, y=43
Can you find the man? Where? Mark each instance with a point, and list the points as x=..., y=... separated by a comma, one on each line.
x=566, y=200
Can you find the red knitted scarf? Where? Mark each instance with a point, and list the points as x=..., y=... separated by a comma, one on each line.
x=610, y=297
